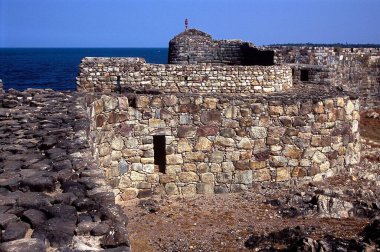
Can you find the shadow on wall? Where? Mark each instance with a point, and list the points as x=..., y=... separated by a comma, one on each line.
x=252, y=56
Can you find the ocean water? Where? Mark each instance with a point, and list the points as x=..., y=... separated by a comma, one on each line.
x=56, y=68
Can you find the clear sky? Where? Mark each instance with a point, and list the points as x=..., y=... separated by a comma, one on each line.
x=152, y=23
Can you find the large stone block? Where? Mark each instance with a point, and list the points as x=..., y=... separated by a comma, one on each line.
x=187, y=177
x=211, y=117
x=224, y=141
x=243, y=177
x=203, y=144
x=258, y=132
x=174, y=159
x=204, y=188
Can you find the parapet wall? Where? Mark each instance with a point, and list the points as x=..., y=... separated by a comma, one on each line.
x=352, y=69
x=116, y=74
x=220, y=144
x=194, y=47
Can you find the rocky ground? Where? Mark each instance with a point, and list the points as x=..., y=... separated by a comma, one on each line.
x=52, y=195
x=341, y=213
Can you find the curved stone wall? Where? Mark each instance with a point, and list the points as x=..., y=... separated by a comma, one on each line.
x=219, y=144
x=194, y=47
x=132, y=74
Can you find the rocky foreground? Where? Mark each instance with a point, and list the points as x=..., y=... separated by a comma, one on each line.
x=52, y=195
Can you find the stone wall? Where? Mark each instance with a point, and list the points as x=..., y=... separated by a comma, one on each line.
x=219, y=144
x=131, y=74
x=194, y=47
x=1, y=87
x=352, y=69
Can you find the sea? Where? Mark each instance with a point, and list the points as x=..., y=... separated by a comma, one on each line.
x=56, y=68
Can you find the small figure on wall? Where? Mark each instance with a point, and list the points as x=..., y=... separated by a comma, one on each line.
x=186, y=24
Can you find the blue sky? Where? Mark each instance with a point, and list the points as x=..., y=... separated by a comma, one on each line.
x=152, y=23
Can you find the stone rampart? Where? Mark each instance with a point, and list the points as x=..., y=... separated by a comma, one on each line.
x=132, y=74
x=352, y=69
x=194, y=47
x=219, y=144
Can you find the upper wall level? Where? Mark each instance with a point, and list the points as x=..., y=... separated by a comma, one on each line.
x=135, y=75
x=351, y=69
x=193, y=46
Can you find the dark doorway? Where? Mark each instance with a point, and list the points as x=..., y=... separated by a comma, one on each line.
x=118, y=85
x=304, y=75
x=159, y=148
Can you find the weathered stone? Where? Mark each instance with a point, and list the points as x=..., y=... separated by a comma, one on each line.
x=205, y=188
x=171, y=189
x=110, y=103
x=261, y=175
x=291, y=151
x=14, y=230
x=282, y=174
x=186, y=131
x=174, y=159
x=117, y=144
x=183, y=146
x=24, y=245
x=203, y=144
x=278, y=161
x=245, y=143
x=207, y=178
x=211, y=117
x=189, y=190
x=188, y=177
x=216, y=157
x=243, y=177
x=34, y=217
x=319, y=157
x=258, y=132
x=207, y=130
x=224, y=141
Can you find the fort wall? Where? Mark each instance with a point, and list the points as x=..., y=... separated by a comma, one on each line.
x=220, y=144
x=351, y=69
x=116, y=74
x=194, y=47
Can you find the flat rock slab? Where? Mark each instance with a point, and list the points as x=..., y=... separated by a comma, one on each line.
x=23, y=245
x=46, y=174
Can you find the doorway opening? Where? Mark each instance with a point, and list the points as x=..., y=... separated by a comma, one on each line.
x=159, y=148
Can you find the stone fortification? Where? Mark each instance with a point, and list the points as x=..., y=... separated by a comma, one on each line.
x=193, y=47
x=352, y=69
x=131, y=74
x=218, y=144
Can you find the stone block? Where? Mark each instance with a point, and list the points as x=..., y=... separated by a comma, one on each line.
x=245, y=143
x=203, y=144
x=186, y=131
x=129, y=193
x=189, y=190
x=167, y=178
x=174, y=159
x=261, y=175
x=216, y=157
x=188, y=177
x=172, y=169
x=224, y=141
x=117, y=143
x=282, y=174
x=207, y=178
x=109, y=103
x=184, y=146
x=243, y=177
x=204, y=188
x=136, y=176
x=256, y=165
x=258, y=132
x=194, y=157
x=171, y=189
x=211, y=117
